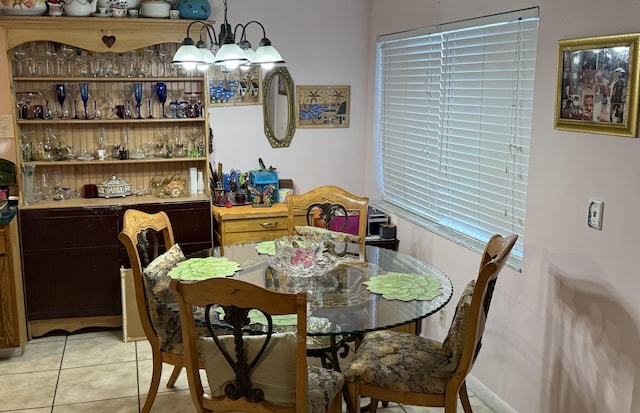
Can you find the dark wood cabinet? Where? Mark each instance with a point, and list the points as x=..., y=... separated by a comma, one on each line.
x=72, y=259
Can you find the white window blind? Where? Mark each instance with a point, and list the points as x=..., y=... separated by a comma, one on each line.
x=455, y=106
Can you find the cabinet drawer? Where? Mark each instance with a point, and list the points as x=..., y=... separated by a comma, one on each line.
x=255, y=224
x=245, y=237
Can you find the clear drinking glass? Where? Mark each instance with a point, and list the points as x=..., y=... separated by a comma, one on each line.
x=28, y=183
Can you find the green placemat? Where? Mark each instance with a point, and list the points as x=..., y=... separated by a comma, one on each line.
x=259, y=318
x=266, y=247
x=404, y=287
x=197, y=269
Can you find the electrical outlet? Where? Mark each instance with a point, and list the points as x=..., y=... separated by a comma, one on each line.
x=443, y=317
x=594, y=217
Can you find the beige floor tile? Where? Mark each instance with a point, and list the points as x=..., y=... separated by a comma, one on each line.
x=92, y=349
x=143, y=350
x=27, y=390
x=144, y=374
x=38, y=356
x=172, y=402
x=38, y=410
x=123, y=405
x=101, y=382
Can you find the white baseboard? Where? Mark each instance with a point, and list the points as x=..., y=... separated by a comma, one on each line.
x=489, y=398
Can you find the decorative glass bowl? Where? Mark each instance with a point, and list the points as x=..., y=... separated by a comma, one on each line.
x=301, y=256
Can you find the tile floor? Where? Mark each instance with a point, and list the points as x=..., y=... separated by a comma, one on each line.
x=96, y=372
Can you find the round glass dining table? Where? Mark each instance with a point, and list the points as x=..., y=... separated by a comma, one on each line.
x=341, y=308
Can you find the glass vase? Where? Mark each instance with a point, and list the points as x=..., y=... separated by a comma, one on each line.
x=28, y=183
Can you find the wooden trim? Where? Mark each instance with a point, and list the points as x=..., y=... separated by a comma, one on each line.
x=39, y=328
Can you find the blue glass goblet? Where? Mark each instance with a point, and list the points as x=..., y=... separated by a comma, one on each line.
x=161, y=93
x=137, y=94
x=84, y=95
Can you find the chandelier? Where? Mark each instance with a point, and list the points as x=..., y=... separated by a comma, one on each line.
x=229, y=54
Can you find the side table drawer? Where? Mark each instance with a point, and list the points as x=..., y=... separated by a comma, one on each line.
x=255, y=224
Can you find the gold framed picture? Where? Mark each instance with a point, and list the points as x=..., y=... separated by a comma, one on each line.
x=234, y=87
x=597, y=85
x=322, y=106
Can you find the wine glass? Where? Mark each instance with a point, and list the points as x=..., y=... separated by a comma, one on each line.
x=73, y=91
x=147, y=95
x=61, y=94
x=161, y=93
x=137, y=94
x=174, y=97
x=68, y=52
x=84, y=95
x=19, y=55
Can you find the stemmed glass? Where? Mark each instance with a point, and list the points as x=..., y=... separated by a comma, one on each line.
x=147, y=94
x=174, y=96
x=137, y=94
x=20, y=56
x=61, y=94
x=68, y=52
x=161, y=93
x=84, y=95
x=73, y=91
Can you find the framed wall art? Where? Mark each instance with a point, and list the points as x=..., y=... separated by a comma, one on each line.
x=234, y=87
x=322, y=106
x=597, y=85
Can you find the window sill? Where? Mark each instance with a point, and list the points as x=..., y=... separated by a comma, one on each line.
x=514, y=262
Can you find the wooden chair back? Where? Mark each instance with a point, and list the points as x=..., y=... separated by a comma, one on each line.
x=330, y=202
x=237, y=298
x=146, y=236
x=494, y=257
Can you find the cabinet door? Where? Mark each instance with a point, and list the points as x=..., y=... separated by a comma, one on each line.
x=71, y=262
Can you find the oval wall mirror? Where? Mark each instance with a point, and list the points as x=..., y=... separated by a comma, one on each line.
x=278, y=107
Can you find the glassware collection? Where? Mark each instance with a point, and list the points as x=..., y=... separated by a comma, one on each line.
x=83, y=116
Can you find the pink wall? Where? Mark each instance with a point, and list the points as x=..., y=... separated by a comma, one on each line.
x=323, y=43
x=562, y=336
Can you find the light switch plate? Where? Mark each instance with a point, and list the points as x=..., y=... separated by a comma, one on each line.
x=594, y=217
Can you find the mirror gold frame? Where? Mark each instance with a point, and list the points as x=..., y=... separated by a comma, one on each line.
x=284, y=87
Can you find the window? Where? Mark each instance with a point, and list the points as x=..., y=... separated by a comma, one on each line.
x=454, y=109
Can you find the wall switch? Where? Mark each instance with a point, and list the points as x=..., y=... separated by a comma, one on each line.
x=443, y=317
x=594, y=218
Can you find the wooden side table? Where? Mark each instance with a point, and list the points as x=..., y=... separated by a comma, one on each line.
x=242, y=224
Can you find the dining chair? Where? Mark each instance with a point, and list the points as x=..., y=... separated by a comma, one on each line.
x=329, y=208
x=150, y=244
x=413, y=370
x=251, y=368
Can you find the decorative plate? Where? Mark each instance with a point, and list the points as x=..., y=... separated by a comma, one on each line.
x=404, y=287
x=198, y=269
x=266, y=247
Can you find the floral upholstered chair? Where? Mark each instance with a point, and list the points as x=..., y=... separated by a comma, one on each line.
x=413, y=370
x=144, y=236
x=252, y=368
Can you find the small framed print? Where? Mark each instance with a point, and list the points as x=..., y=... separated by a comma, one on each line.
x=322, y=106
x=597, y=85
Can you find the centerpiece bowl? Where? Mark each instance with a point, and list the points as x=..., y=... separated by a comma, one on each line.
x=302, y=256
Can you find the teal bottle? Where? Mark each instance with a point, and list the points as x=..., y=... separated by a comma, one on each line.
x=194, y=9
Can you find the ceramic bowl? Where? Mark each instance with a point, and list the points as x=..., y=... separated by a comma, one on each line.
x=23, y=8
x=119, y=12
x=158, y=9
